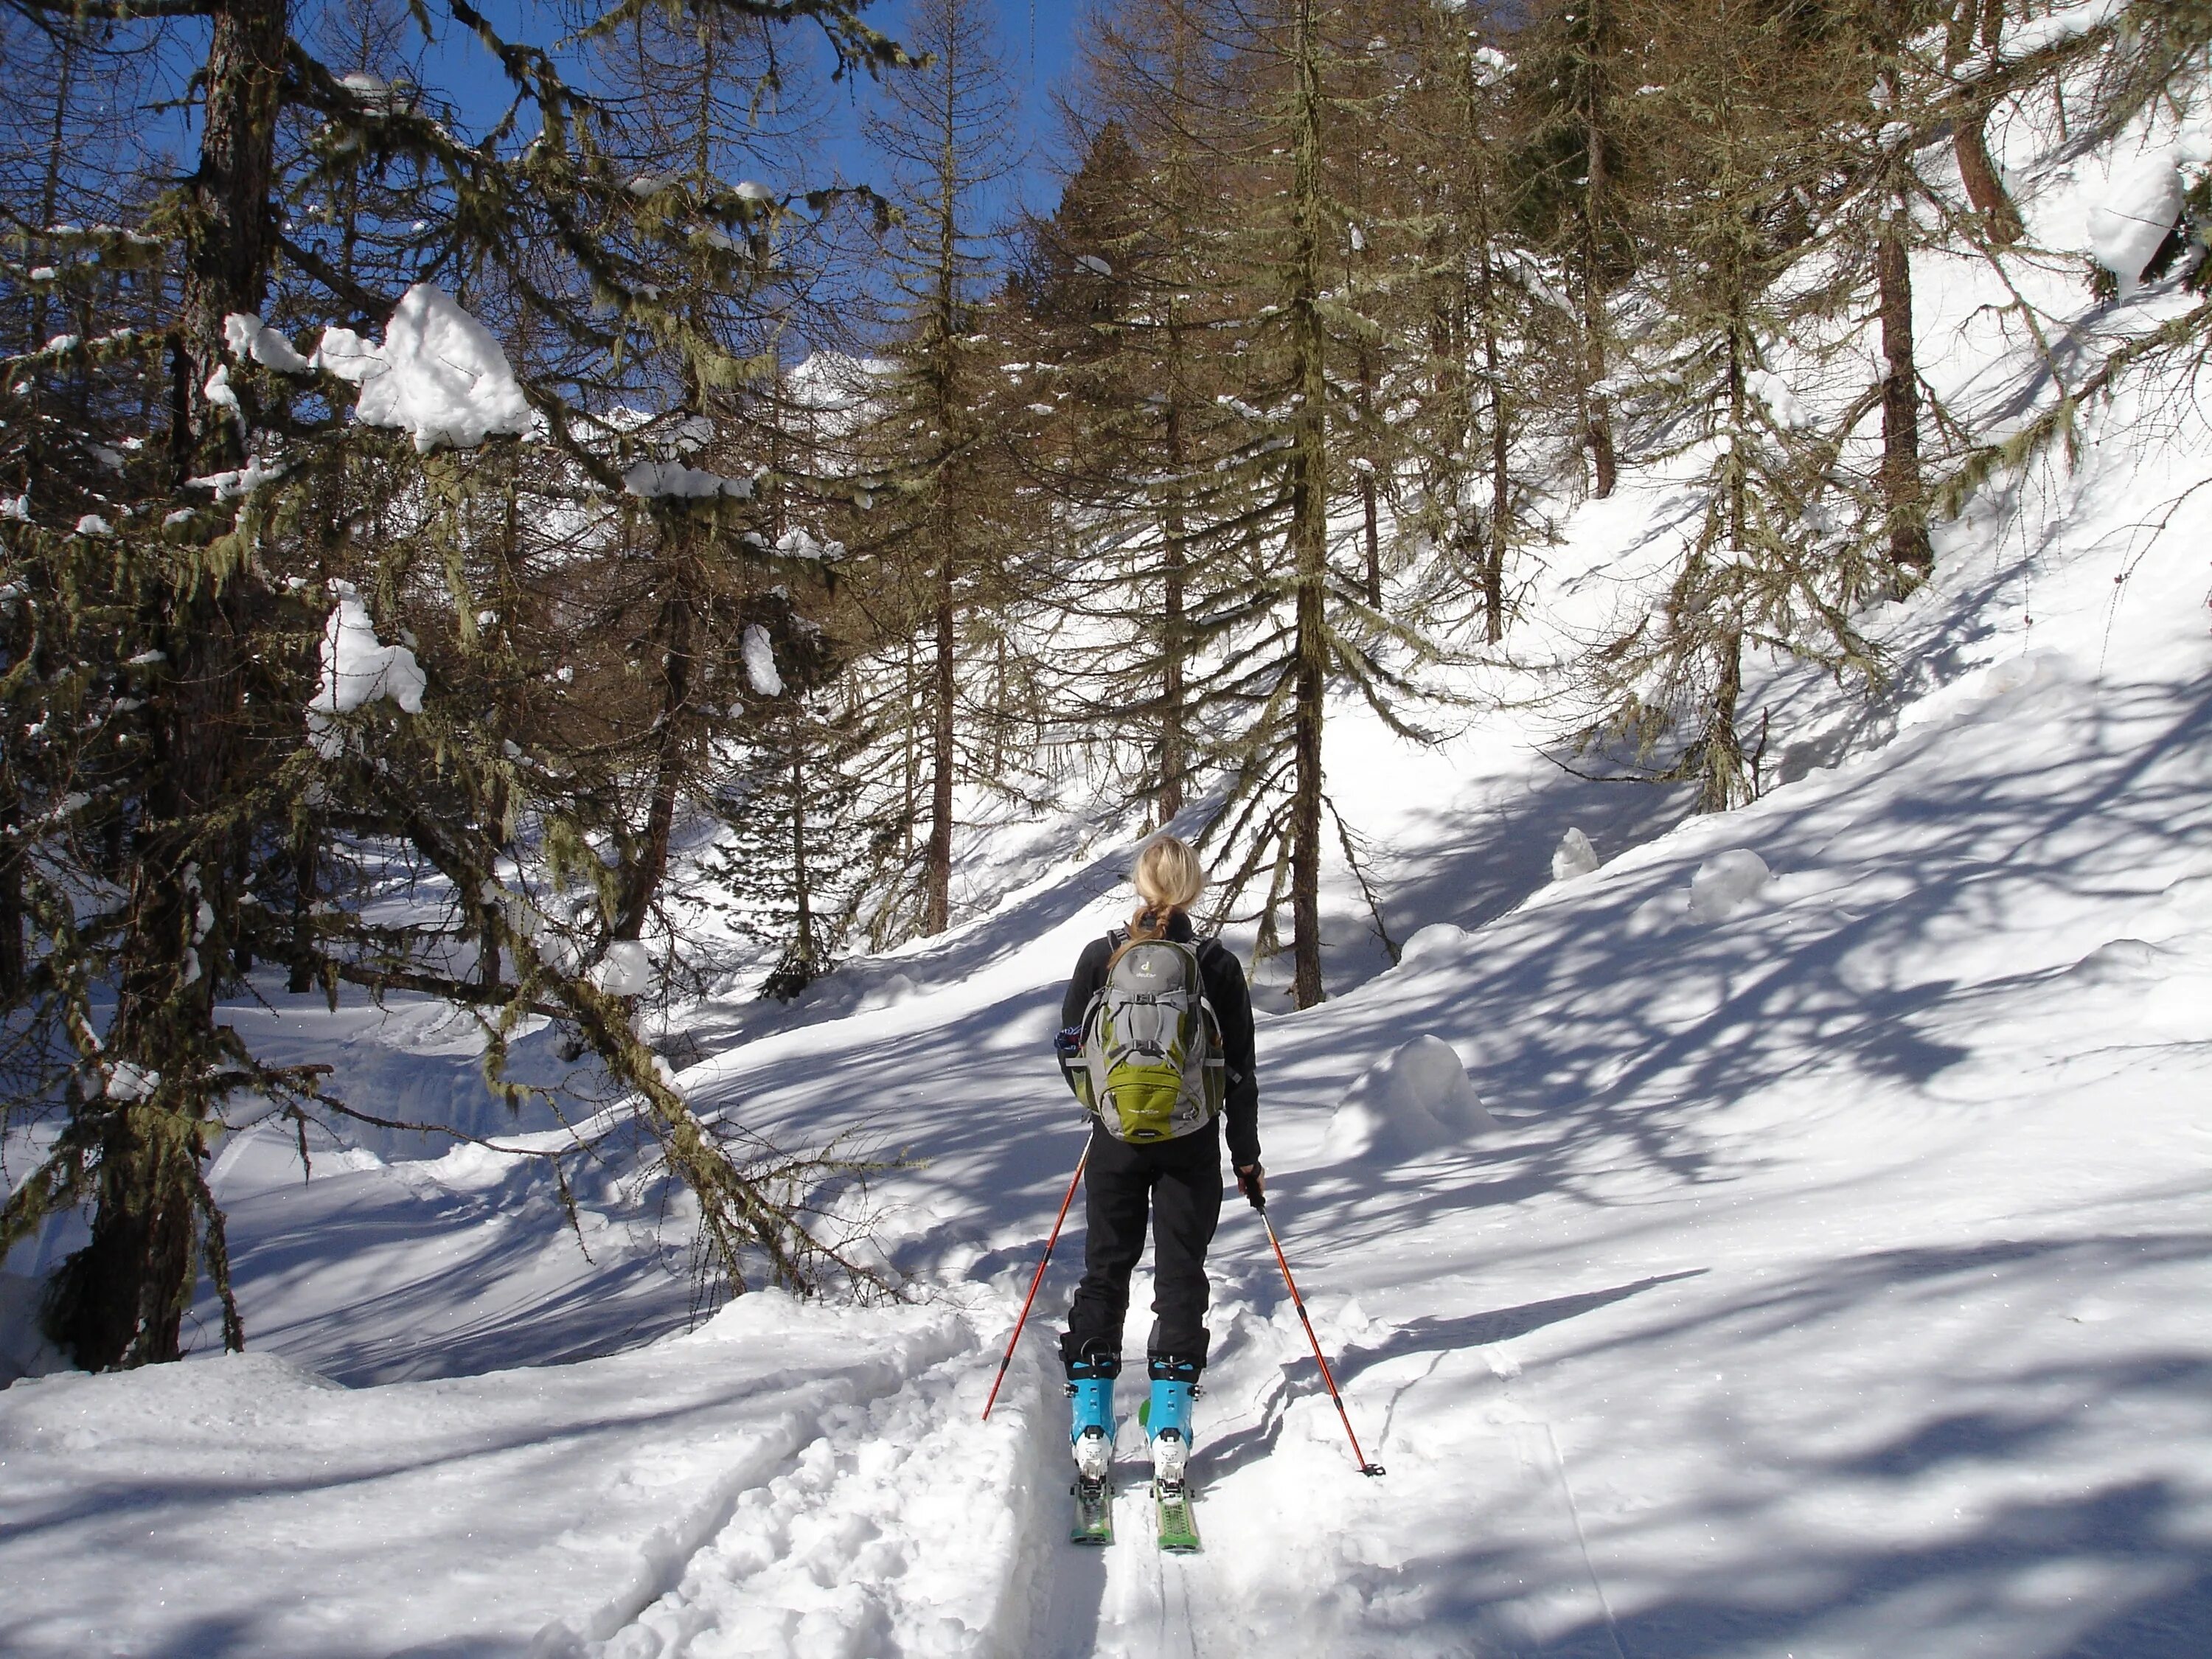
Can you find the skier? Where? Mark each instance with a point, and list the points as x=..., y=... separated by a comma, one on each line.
x=1170, y=1167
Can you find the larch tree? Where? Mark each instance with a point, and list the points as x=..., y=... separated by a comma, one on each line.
x=940, y=528
x=250, y=482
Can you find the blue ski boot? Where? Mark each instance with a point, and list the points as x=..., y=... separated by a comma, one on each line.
x=1167, y=1418
x=1091, y=1428
x=1091, y=1433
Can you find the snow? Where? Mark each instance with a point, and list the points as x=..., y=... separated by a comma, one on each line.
x=229, y=486
x=626, y=970
x=1417, y=1099
x=246, y=335
x=800, y=543
x=760, y=661
x=440, y=373
x=1789, y=1241
x=1094, y=264
x=2134, y=214
x=358, y=668
x=1727, y=883
x=93, y=524
x=652, y=478
x=122, y=1080
x=1575, y=856
x=1786, y=408
x=217, y=390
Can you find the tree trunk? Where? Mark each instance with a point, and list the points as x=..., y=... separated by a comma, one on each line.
x=1501, y=482
x=1984, y=188
x=937, y=904
x=674, y=634
x=1309, y=526
x=11, y=886
x=1597, y=409
x=1904, y=501
x=1369, y=507
x=122, y=1297
x=801, y=882
x=1174, y=623
x=1722, y=784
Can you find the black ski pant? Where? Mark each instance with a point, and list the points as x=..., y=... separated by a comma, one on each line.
x=1179, y=1182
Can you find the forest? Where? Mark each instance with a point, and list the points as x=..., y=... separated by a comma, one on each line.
x=429, y=510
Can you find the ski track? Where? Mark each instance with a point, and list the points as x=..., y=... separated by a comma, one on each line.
x=898, y=1529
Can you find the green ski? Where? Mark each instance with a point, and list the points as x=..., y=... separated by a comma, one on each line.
x=1178, y=1527
x=1094, y=1511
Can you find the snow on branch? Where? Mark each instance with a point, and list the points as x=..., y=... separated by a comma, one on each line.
x=440, y=373
x=357, y=669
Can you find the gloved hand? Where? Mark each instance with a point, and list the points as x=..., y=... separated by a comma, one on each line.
x=1252, y=1182
x=1069, y=1041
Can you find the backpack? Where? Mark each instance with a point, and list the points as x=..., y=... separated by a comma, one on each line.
x=1150, y=1066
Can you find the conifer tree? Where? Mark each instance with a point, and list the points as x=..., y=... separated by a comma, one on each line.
x=940, y=529
x=246, y=491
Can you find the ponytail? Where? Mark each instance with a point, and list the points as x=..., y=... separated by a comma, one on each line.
x=1167, y=878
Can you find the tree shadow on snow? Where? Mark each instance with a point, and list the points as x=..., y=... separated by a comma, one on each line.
x=1830, y=1540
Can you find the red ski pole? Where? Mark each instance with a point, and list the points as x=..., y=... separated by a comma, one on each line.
x=1037, y=1278
x=1297, y=1302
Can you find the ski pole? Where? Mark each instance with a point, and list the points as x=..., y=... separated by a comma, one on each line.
x=1298, y=1302
x=1037, y=1280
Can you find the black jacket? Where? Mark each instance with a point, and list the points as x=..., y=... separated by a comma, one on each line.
x=1232, y=1006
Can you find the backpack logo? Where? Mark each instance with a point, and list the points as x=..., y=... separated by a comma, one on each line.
x=1150, y=1065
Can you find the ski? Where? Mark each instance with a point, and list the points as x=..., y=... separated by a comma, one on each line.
x=1094, y=1511
x=1177, y=1526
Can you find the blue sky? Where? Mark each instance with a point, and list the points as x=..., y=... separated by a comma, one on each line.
x=1036, y=37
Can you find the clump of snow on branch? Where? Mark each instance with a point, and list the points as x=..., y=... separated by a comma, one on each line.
x=357, y=669
x=650, y=478
x=227, y=485
x=1782, y=404
x=760, y=661
x=247, y=336
x=798, y=543
x=626, y=970
x=438, y=375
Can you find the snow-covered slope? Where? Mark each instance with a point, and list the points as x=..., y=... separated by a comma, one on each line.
x=1823, y=1272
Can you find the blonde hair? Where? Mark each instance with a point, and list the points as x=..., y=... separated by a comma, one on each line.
x=1167, y=877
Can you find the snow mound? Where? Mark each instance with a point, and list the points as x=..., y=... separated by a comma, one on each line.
x=2137, y=211
x=1574, y=856
x=1413, y=1101
x=1726, y=883
x=2122, y=961
x=2024, y=672
x=440, y=373
x=1433, y=944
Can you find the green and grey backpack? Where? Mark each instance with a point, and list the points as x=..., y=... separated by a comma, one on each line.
x=1150, y=1066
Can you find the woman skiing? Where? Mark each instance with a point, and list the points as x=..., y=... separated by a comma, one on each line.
x=1164, y=1038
